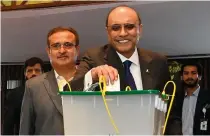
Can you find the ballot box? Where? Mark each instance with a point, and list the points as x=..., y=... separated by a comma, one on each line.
x=117, y=113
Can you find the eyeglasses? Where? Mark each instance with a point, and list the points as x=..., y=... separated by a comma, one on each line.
x=127, y=27
x=66, y=45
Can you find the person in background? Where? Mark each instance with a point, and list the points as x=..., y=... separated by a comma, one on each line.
x=33, y=67
x=190, y=114
x=138, y=68
x=41, y=112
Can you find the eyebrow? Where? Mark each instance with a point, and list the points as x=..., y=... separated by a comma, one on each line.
x=189, y=71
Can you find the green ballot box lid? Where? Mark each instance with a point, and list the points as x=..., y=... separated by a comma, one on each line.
x=134, y=92
x=110, y=93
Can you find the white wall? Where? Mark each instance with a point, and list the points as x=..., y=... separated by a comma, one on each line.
x=172, y=28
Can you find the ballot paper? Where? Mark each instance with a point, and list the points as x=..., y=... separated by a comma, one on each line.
x=114, y=87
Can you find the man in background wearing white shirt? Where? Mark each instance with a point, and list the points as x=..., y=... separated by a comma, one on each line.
x=41, y=112
x=138, y=68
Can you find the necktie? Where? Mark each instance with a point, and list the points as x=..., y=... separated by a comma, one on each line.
x=128, y=76
x=66, y=88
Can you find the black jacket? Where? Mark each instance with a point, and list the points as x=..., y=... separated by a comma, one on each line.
x=12, y=113
x=175, y=120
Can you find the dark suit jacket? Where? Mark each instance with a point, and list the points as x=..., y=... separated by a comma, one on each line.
x=156, y=78
x=12, y=114
x=175, y=121
x=41, y=112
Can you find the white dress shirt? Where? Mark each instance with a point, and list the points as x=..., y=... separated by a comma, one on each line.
x=134, y=68
x=61, y=81
x=188, y=112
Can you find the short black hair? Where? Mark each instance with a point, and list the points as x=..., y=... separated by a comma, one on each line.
x=62, y=29
x=33, y=61
x=107, y=18
x=192, y=63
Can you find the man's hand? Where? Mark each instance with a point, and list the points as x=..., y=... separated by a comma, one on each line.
x=109, y=73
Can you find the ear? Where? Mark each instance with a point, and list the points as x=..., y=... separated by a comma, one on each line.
x=48, y=51
x=78, y=50
x=140, y=30
x=25, y=74
x=107, y=31
x=199, y=77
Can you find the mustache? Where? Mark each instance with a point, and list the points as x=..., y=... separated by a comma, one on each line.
x=30, y=77
x=62, y=56
x=191, y=85
x=33, y=76
x=190, y=79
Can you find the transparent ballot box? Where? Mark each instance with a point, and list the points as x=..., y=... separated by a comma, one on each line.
x=127, y=113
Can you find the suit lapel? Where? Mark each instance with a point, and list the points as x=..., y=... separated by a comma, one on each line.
x=200, y=102
x=52, y=90
x=111, y=58
x=145, y=67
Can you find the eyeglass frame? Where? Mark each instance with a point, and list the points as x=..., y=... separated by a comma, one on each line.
x=124, y=25
x=60, y=44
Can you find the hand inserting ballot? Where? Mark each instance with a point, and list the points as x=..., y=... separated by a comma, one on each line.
x=109, y=73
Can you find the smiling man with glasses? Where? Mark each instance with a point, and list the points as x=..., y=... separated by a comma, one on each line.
x=138, y=68
x=42, y=112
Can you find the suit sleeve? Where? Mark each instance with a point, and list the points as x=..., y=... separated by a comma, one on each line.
x=174, y=124
x=9, y=117
x=174, y=121
x=86, y=64
x=165, y=76
x=27, y=113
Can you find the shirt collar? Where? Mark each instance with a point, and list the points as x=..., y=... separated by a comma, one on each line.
x=56, y=74
x=195, y=93
x=60, y=77
x=134, y=58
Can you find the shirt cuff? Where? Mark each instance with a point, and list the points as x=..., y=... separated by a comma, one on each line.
x=88, y=80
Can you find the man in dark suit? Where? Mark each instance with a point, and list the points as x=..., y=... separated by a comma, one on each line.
x=32, y=68
x=138, y=68
x=190, y=114
x=41, y=112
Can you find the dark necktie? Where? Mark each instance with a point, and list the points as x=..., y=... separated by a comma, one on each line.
x=128, y=76
x=66, y=88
